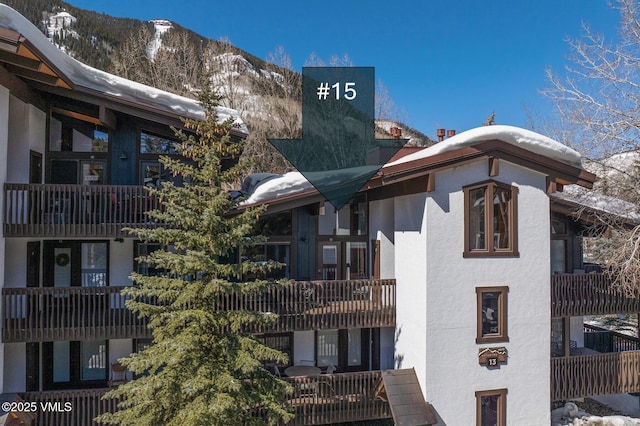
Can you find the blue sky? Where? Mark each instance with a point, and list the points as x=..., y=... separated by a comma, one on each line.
x=447, y=63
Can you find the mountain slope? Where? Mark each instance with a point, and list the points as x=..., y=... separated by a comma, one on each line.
x=163, y=54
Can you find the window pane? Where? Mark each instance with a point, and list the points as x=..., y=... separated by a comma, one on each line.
x=558, y=251
x=152, y=144
x=93, y=172
x=280, y=254
x=94, y=265
x=145, y=249
x=476, y=219
x=557, y=337
x=489, y=411
x=55, y=135
x=490, y=318
x=61, y=363
x=100, y=141
x=357, y=260
x=94, y=360
x=355, y=347
x=501, y=202
x=152, y=174
x=327, y=347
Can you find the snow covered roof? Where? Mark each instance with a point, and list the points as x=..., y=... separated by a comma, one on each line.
x=531, y=141
x=102, y=83
x=294, y=182
x=599, y=202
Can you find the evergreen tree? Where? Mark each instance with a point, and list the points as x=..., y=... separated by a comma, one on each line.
x=204, y=367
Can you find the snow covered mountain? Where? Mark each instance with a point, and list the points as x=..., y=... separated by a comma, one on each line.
x=163, y=54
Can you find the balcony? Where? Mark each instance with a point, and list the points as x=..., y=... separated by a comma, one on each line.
x=338, y=398
x=83, y=313
x=68, y=313
x=46, y=210
x=588, y=294
x=598, y=374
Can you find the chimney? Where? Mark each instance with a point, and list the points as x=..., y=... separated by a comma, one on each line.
x=396, y=132
x=451, y=133
x=440, y=133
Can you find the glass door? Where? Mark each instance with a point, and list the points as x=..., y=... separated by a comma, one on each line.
x=329, y=261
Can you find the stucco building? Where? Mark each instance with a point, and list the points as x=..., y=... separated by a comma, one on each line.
x=417, y=272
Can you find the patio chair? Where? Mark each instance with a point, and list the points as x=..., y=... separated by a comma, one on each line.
x=118, y=374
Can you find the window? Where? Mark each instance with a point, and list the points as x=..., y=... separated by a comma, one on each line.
x=75, y=364
x=282, y=342
x=491, y=407
x=492, y=314
x=349, y=220
x=154, y=144
x=261, y=254
x=490, y=231
x=152, y=172
x=345, y=349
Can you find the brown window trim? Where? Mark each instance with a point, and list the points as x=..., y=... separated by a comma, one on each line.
x=502, y=405
x=490, y=251
x=503, y=334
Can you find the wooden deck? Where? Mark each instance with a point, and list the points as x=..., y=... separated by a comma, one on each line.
x=86, y=313
x=48, y=210
x=588, y=294
x=327, y=399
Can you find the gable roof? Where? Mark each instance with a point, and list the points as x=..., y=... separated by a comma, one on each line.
x=416, y=172
x=25, y=51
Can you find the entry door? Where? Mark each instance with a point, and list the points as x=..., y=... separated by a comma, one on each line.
x=72, y=264
x=329, y=261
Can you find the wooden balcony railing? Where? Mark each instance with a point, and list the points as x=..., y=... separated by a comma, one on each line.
x=588, y=294
x=318, y=305
x=81, y=313
x=47, y=210
x=591, y=375
x=69, y=407
x=68, y=313
x=336, y=398
x=327, y=399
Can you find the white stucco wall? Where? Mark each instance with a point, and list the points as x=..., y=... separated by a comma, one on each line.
x=27, y=131
x=15, y=263
x=437, y=299
x=411, y=283
x=381, y=228
x=15, y=367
